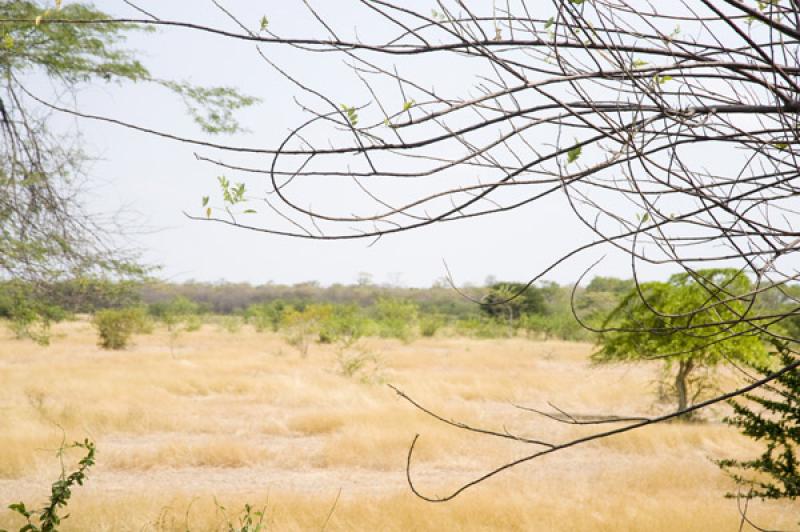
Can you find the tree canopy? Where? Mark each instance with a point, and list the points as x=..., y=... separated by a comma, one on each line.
x=692, y=321
x=47, y=234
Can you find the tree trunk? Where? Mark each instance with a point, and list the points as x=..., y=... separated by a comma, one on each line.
x=682, y=383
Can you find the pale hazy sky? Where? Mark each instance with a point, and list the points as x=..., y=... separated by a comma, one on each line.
x=156, y=180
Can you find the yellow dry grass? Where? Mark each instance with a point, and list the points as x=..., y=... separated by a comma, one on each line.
x=237, y=418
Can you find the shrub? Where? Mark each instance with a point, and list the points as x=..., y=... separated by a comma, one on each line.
x=344, y=325
x=175, y=312
x=774, y=420
x=562, y=325
x=180, y=314
x=396, y=318
x=301, y=326
x=266, y=316
x=360, y=364
x=482, y=328
x=231, y=324
x=429, y=324
x=116, y=326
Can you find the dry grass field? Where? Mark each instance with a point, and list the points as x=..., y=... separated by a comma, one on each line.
x=228, y=419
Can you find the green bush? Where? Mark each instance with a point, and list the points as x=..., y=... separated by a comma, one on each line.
x=301, y=326
x=396, y=318
x=771, y=418
x=429, y=324
x=360, y=364
x=344, y=324
x=178, y=315
x=563, y=326
x=266, y=316
x=482, y=328
x=28, y=315
x=116, y=326
x=230, y=324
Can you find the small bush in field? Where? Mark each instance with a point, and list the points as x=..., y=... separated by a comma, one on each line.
x=430, y=324
x=116, y=326
x=344, y=325
x=301, y=326
x=482, y=328
x=192, y=323
x=266, y=316
x=562, y=325
x=396, y=318
x=360, y=364
x=178, y=315
x=231, y=324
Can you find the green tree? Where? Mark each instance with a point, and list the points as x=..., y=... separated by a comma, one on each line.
x=511, y=301
x=610, y=284
x=28, y=315
x=46, y=233
x=683, y=321
x=772, y=418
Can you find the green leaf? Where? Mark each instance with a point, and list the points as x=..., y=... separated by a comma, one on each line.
x=212, y=108
x=638, y=63
x=549, y=23
x=352, y=114
x=408, y=105
x=264, y=23
x=577, y=2
x=208, y=212
x=20, y=509
x=663, y=79
x=250, y=211
x=8, y=41
x=573, y=154
x=781, y=145
x=205, y=201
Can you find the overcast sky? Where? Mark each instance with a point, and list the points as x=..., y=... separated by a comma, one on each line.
x=155, y=181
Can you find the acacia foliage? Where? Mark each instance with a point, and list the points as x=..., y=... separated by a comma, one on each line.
x=692, y=321
x=773, y=418
x=47, y=235
x=689, y=317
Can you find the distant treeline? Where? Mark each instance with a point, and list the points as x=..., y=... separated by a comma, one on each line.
x=501, y=308
x=234, y=298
